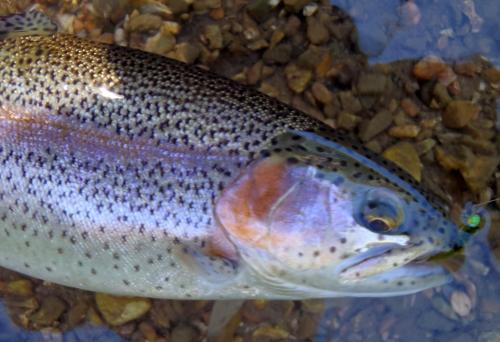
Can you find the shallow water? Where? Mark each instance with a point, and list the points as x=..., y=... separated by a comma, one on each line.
x=396, y=33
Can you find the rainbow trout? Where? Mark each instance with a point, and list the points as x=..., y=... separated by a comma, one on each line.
x=129, y=173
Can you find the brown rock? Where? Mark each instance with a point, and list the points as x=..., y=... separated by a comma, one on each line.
x=317, y=33
x=106, y=38
x=307, y=327
x=77, y=314
x=459, y=113
x=20, y=287
x=148, y=331
x=161, y=43
x=144, y=23
x=453, y=157
x=322, y=93
x=314, y=306
x=300, y=104
x=217, y=13
x=492, y=75
x=260, y=10
x=470, y=69
x=295, y=6
x=213, y=36
x=154, y=7
x=258, y=44
x=273, y=332
x=372, y=84
x=268, y=89
x=406, y=157
x=292, y=25
x=404, y=131
x=277, y=37
x=349, y=102
x=280, y=54
x=441, y=95
x=330, y=111
x=313, y=56
x=379, y=123
x=254, y=73
x=478, y=173
x=186, y=52
x=348, y=121
x=324, y=66
x=184, y=332
x=425, y=146
x=120, y=310
x=113, y=9
x=410, y=107
x=297, y=78
x=204, y=5
x=429, y=68
x=49, y=312
x=178, y=6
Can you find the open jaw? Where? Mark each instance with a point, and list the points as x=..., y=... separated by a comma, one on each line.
x=393, y=270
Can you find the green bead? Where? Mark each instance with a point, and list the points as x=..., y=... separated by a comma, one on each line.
x=474, y=220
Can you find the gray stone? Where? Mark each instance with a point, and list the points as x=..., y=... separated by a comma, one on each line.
x=372, y=84
x=431, y=320
x=379, y=123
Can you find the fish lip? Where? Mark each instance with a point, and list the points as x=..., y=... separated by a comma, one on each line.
x=349, y=271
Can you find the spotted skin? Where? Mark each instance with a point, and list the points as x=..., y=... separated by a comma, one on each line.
x=112, y=161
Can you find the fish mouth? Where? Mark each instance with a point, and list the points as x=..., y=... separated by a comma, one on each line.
x=385, y=259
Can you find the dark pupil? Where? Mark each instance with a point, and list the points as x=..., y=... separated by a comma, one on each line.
x=378, y=226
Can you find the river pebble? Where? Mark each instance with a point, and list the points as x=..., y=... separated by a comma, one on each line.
x=120, y=310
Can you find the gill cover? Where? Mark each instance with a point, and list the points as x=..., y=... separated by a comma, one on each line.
x=277, y=208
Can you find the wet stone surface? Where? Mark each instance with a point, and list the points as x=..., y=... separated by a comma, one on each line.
x=434, y=117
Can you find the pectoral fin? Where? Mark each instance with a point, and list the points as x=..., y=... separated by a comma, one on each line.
x=215, y=269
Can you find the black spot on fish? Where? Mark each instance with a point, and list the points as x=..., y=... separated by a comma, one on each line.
x=265, y=153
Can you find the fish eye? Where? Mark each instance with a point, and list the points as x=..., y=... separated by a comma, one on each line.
x=380, y=224
x=380, y=211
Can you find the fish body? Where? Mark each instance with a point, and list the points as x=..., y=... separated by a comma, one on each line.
x=129, y=173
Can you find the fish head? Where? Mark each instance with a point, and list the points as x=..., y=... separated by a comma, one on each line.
x=316, y=220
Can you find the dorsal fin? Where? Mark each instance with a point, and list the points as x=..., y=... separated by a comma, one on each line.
x=30, y=23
